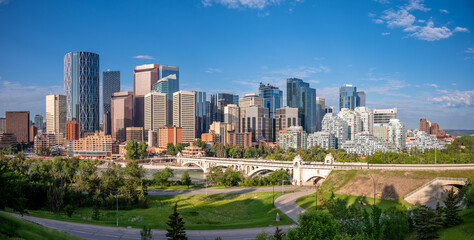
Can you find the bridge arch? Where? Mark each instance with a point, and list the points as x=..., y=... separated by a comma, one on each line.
x=257, y=170
x=313, y=179
x=187, y=164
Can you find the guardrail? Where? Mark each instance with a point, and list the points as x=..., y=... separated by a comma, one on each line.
x=434, y=180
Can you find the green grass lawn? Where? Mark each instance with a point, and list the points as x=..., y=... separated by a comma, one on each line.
x=465, y=231
x=308, y=201
x=14, y=228
x=200, y=212
x=174, y=187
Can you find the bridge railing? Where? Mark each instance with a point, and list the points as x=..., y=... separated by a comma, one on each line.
x=435, y=180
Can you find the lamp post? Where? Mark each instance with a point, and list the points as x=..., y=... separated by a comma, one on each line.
x=316, y=194
x=273, y=184
x=282, y=181
x=116, y=200
x=374, y=182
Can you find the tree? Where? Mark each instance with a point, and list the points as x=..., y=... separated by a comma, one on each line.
x=231, y=177
x=452, y=210
x=396, y=224
x=162, y=176
x=170, y=149
x=427, y=223
x=175, y=223
x=141, y=150
x=215, y=174
x=278, y=235
x=132, y=150
x=179, y=148
x=146, y=234
x=250, y=152
x=186, y=179
x=314, y=225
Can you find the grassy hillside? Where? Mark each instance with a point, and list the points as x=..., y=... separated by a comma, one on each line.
x=390, y=185
x=14, y=228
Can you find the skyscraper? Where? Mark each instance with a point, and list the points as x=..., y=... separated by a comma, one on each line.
x=272, y=97
x=168, y=85
x=353, y=120
x=232, y=116
x=3, y=125
x=18, y=123
x=202, y=125
x=144, y=77
x=337, y=126
x=156, y=111
x=39, y=122
x=81, y=82
x=110, y=85
x=168, y=70
x=286, y=117
x=361, y=98
x=122, y=114
x=256, y=120
x=348, y=97
x=184, y=114
x=218, y=102
x=320, y=111
x=301, y=96
x=56, y=115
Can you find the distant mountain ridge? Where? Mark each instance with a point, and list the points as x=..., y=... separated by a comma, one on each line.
x=459, y=132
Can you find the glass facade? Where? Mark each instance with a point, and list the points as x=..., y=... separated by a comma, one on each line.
x=348, y=97
x=218, y=102
x=81, y=83
x=273, y=98
x=202, y=125
x=301, y=96
x=110, y=85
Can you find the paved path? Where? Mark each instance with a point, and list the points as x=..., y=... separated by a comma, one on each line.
x=96, y=232
x=216, y=190
x=286, y=203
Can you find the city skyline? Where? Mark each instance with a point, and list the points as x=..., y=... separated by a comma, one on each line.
x=424, y=69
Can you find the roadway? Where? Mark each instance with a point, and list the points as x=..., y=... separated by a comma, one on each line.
x=285, y=203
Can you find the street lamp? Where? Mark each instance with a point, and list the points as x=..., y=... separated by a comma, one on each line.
x=316, y=194
x=374, y=182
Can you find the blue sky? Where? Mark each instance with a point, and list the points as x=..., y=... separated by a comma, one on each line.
x=414, y=55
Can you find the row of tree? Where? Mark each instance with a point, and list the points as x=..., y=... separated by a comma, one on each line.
x=61, y=183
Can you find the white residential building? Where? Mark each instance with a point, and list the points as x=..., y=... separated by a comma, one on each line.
x=337, y=126
x=184, y=114
x=352, y=119
x=366, y=144
x=323, y=139
x=366, y=118
x=425, y=141
x=397, y=134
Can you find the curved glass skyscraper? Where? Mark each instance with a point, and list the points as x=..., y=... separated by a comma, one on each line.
x=81, y=83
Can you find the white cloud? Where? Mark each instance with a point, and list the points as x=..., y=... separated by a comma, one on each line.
x=455, y=99
x=148, y=57
x=417, y=5
x=403, y=18
x=443, y=11
x=460, y=29
x=470, y=50
x=252, y=4
x=389, y=88
x=432, y=85
x=431, y=33
x=385, y=33
x=213, y=70
x=33, y=98
x=382, y=1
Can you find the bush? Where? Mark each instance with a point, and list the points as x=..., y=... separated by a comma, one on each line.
x=69, y=209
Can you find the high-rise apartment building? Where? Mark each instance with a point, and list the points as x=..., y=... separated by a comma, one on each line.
x=381, y=131
x=337, y=126
x=397, y=134
x=272, y=97
x=366, y=118
x=73, y=130
x=81, y=82
x=301, y=96
x=323, y=139
x=286, y=117
x=353, y=121
x=168, y=85
x=18, y=123
x=39, y=124
x=384, y=115
x=56, y=115
x=144, y=77
x=184, y=114
x=3, y=125
x=110, y=85
x=320, y=111
x=33, y=131
x=293, y=137
x=156, y=111
x=202, y=124
x=232, y=116
x=221, y=129
x=96, y=145
x=122, y=114
x=348, y=97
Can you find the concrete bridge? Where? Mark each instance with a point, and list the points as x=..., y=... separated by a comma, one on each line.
x=302, y=173
x=435, y=190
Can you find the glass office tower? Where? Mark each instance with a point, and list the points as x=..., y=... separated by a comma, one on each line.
x=272, y=97
x=81, y=83
x=348, y=97
x=202, y=125
x=218, y=102
x=300, y=95
x=110, y=85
